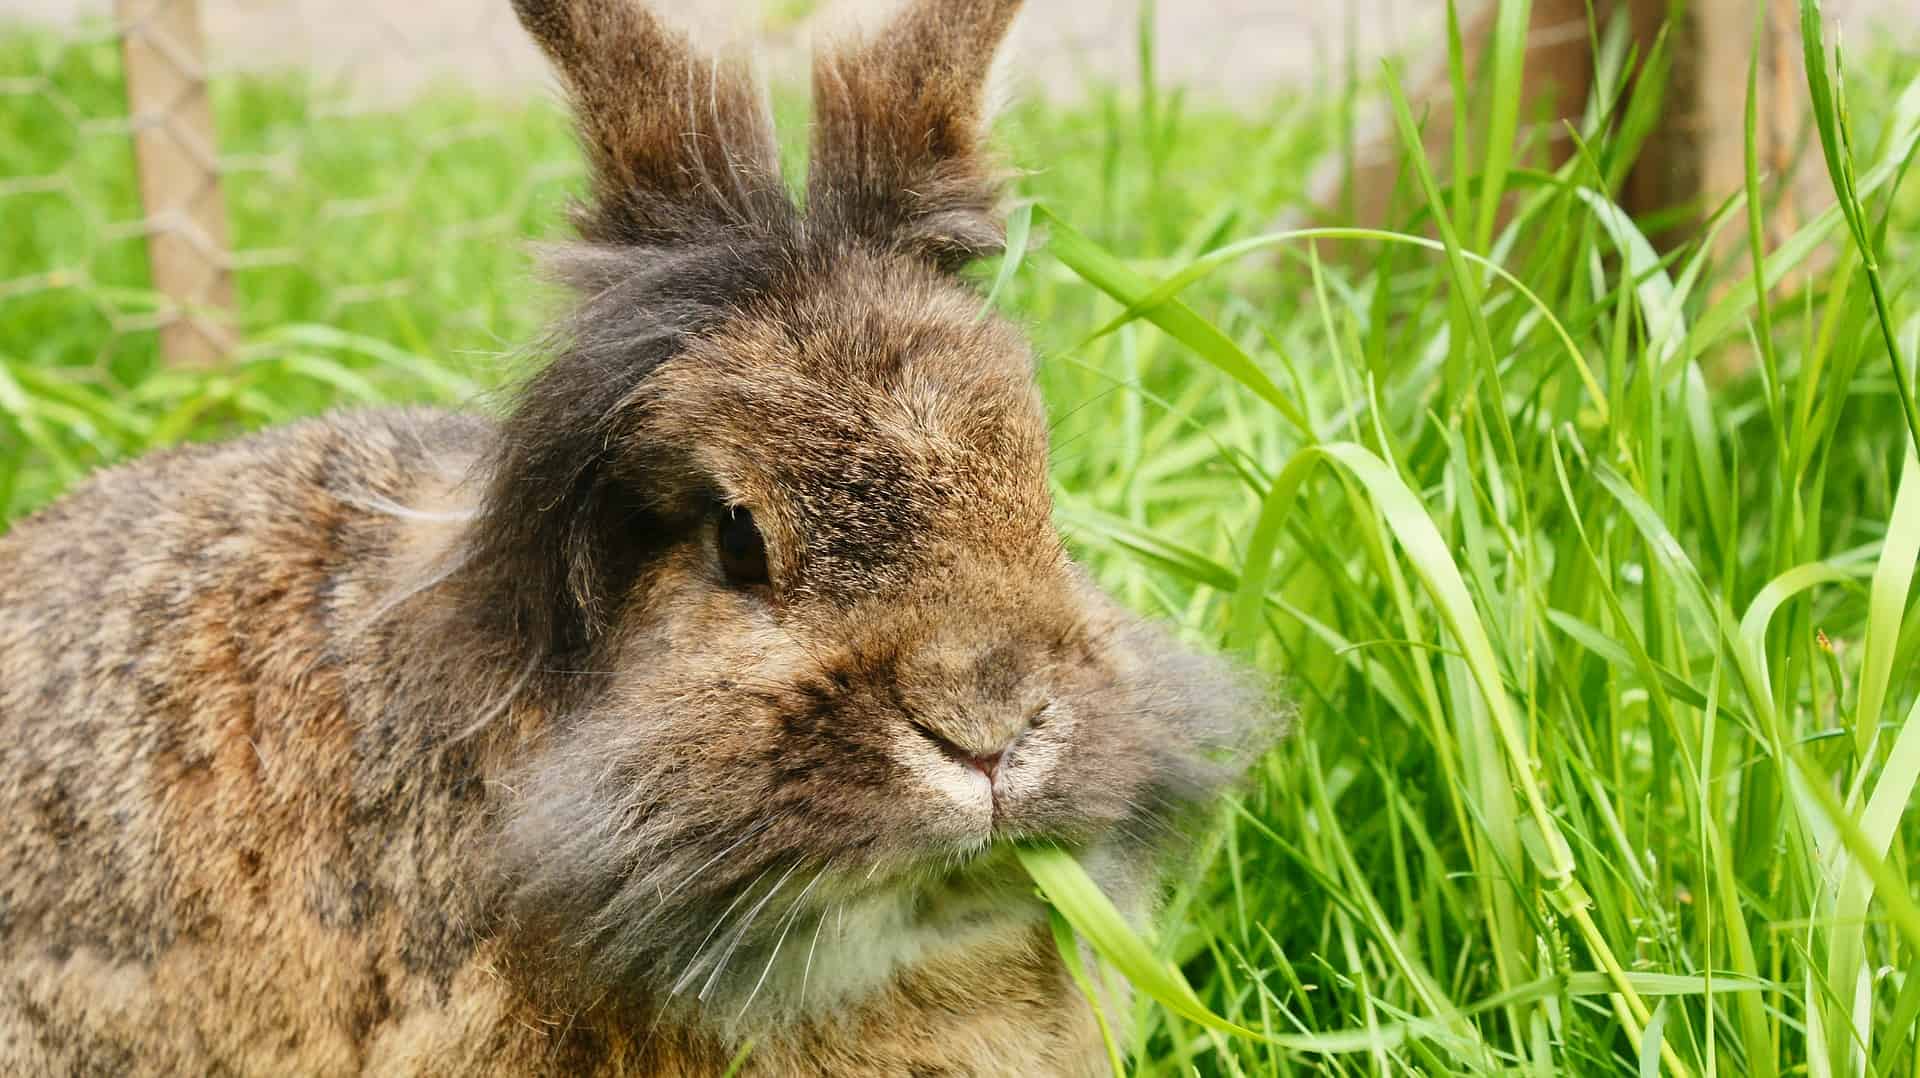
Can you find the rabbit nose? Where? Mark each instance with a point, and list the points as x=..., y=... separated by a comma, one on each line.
x=988, y=765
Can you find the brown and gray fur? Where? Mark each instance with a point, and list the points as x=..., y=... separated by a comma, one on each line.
x=424, y=743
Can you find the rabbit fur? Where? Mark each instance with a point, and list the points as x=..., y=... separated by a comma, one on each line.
x=417, y=742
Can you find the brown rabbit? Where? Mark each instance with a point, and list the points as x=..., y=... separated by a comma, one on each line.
x=697, y=702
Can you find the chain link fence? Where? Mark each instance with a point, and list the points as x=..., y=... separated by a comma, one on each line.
x=177, y=176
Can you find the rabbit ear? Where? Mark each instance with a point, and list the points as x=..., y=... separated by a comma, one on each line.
x=677, y=142
x=899, y=154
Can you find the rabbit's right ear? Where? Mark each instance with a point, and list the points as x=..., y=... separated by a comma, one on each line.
x=678, y=142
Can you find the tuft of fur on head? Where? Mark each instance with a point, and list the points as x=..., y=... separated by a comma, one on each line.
x=567, y=510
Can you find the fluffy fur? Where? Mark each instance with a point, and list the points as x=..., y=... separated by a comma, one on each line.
x=411, y=742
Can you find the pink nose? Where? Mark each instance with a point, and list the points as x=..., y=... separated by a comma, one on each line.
x=987, y=765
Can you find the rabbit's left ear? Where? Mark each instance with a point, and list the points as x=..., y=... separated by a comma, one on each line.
x=899, y=155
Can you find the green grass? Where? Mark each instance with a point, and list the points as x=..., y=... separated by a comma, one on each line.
x=1603, y=662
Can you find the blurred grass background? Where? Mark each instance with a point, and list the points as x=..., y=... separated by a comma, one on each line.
x=1603, y=661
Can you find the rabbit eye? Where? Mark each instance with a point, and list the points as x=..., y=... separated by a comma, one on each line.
x=743, y=554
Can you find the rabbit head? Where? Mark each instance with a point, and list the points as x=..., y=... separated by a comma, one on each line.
x=775, y=525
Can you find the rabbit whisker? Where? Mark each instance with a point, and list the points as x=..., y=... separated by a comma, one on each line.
x=385, y=506
x=440, y=574
x=740, y=933
x=497, y=708
x=699, y=953
x=799, y=903
x=806, y=972
x=695, y=874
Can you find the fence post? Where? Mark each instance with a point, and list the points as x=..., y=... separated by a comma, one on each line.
x=1695, y=156
x=176, y=155
x=1699, y=154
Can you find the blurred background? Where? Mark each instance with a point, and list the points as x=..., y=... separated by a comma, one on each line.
x=1237, y=50
x=377, y=52
x=224, y=114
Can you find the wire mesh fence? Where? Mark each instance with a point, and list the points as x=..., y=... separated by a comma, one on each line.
x=241, y=185
x=256, y=171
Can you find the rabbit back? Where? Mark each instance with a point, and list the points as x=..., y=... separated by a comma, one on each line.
x=218, y=827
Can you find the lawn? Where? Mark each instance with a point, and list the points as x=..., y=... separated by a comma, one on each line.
x=1586, y=569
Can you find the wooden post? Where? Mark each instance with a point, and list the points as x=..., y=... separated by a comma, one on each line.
x=176, y=153
x=1696, y=156
x=1557, y=77
x=1694, y=159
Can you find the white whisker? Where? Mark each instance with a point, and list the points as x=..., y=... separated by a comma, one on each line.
x=807, y=972
x=700, y=952
x=799, y=903
x=740, y=933
x=388, y=507
x=440, y=575
x=710, y=861
x=497, y=708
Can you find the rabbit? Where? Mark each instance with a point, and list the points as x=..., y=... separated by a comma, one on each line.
x=692, y=707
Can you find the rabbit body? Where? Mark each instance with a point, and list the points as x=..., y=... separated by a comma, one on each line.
x=239, y=840
x=695, y=705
